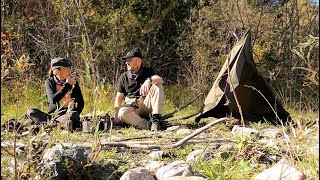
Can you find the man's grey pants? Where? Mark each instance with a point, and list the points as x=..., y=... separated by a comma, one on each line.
x=152, y=104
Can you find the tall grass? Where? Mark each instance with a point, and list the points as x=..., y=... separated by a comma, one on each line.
x=297, y=98
x=34, y=95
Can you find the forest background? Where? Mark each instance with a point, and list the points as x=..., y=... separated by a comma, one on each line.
x=186, y=41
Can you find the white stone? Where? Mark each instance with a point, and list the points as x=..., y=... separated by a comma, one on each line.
x=270, y=133
x=172, y=128
x=54, y=153
x=197, y=155
x=156, y=154
x=281, y=171
x=176, y=168
x=186, y=178
x=184, y=132
x=238, y=131
x=139, y=173
x=154, y=165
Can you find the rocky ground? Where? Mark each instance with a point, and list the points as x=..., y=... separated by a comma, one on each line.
x=258, y=152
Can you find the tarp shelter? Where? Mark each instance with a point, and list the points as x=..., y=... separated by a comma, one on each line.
x=220, y=101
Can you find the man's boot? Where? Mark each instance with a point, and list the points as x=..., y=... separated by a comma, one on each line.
x=157, y=123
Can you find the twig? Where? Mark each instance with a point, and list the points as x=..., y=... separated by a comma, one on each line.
x=141, y=137
x=167, y=116
x=185, y=117
x=198, y=131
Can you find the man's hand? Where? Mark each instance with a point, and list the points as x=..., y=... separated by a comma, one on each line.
x=116, y=119
x=144, y=89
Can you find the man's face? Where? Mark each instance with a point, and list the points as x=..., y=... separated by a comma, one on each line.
x=133, y=64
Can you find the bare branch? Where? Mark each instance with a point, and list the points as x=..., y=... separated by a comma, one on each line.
x=167, y=116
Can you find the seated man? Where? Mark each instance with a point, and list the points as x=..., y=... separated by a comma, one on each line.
x=143, y=92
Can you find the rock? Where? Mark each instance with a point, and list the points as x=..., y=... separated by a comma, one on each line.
x=281, y=171
x=226, y=147
x=53, y=169
x=184, y=132
x=270, y=133
x=176, y=168
x=88, y=153
x=186, y=178
x=57, y=161
x=172, y=128
x=137, y=174
x=225, y=150
x=77, y=158
x=53, y=153
x=156, y=154
x=238, y=131
x=198, y=154
x=154, y=165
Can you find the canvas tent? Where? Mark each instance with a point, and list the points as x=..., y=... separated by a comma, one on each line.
x=220, y=101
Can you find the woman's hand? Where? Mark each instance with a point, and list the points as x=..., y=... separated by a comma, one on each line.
x=71, y=80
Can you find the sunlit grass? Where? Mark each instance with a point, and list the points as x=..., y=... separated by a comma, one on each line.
x=102, y=100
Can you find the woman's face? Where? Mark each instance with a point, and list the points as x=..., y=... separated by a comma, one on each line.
x=63, y=72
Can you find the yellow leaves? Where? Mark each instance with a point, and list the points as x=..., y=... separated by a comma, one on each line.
x=21, y=64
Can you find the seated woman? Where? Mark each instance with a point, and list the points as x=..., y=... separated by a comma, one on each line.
x=64, y=95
